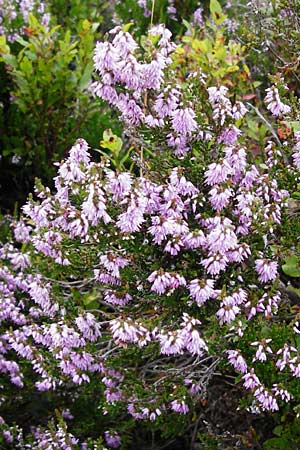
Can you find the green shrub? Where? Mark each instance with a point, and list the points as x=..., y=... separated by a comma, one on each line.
x=46, y=102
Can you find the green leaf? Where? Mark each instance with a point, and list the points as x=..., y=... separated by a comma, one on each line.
x=277, y=444
x=22, y=41
x=187, y=26
x=205, y=45
x=111, y=141
x=86, y=24
x=10, y=60
x=294, y=125
x=216, y=12
x=26, y=66
x=291, y=268
x=3, y=47
x=95, y=27
x=33, y=22
x=90, y=301
x=7, y=152
x=86, y=77
x=278, y=430
x=126, y=27
x=263, y=166
x=126, y=157
x=215, y=7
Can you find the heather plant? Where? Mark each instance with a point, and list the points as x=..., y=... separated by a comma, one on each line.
x=45, y=98
x=132, y=292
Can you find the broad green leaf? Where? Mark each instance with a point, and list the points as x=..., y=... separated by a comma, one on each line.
x=86, y=24
x=256, y=84
x=22, y=41
x=126, y=27
x=232, y=69
x=111, y=141
x=187, y=26
x=216, y=12
x=9, y=59
x=3, y=47
x=26, y=66
x=95, y=27
x=215, y=7
x=90, y=300
x=33, y=22
x=291, y=268
x=294, y=125
x=220, y=54
x=277, y=444
x=278, y=430
x=205, y=45
x=86, y=77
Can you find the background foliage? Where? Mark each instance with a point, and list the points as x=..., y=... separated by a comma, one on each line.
x=47, y=102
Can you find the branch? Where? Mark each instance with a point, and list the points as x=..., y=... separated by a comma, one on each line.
x=265, y=122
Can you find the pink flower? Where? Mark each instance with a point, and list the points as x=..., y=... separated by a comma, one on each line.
x=172, y=342
x=237, y=361
x=117, y=298
x=266, y=269
x=124, y=331
x=263, y=348
x=215, y=264
x=274, y=104
x=198, y=17
x=230, y=135
x=179, y=406
x=228, y=310
x=202, y=290
x=250, y=380
x=296, y=159
x=113, y=263
x=194, y=343
x=239, y=110
x=219, y=197
x=183, y=121
x=112, y=439
x=162, y=281
x=119, y=185
x=217, y=173
x=282, y=393
x=266, y=400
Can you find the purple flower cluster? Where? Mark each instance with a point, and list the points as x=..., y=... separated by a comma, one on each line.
x=139, y=260
x=274, y=103
x=117, y=64
x=14, y=16
x=153, y=98
x=171, y=215
x=296, y=154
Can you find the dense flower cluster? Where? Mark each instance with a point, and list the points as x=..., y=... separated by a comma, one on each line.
x=171, y=216
x=14, y=16
x=274, y=103
x=149, y=269
x=143, y=93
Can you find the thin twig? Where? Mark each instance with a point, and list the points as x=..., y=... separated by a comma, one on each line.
x=265, y=122
x=152, y=13
x=77, y=283
x=194, y=433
